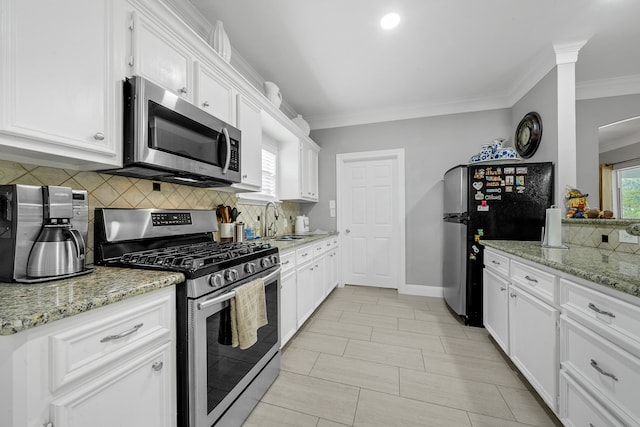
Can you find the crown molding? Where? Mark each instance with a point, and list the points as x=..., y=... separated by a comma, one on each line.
x=406, y=112
x=567, y=53
x=603, y=88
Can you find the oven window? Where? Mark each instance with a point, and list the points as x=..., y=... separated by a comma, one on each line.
x=174, y=133
x=226, y=365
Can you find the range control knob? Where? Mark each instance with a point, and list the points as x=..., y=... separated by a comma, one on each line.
x=231, y=275
x=216, y=280
x=274, y=259
x=264, y=263
x=250, y=268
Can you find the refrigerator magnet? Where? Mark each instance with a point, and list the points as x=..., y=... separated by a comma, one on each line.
x=479, y=196
x=477, y=185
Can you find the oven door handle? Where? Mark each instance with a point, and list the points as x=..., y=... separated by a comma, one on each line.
x=231, y=294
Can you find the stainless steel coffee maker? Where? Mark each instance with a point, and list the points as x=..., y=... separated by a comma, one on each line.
x=44, y=229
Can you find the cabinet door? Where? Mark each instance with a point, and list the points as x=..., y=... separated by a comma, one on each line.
x=332, y=271
x=288, y=309
x=249, y=119
x=495, y=297
x=214, y=94
x=160, y=57
x=137, y=393
x=58, y=79
x=305, y=295
x=319, y=279
x=309, y=176
x=533, y=342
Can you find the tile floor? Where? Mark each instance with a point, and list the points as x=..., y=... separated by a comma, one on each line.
x=370, y=357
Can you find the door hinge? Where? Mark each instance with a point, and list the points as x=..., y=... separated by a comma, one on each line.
x=131, y=23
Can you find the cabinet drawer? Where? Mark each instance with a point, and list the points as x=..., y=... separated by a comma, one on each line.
x=288, y=261
x=578, y=408
x=304, y=254
x=330, y=244
x=319, y=249
x=496, y=262
x=610, y=370
x=81, y=350
x=609, y=315
x=535, y=281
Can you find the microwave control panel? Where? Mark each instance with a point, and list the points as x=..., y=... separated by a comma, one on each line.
x=234, y=163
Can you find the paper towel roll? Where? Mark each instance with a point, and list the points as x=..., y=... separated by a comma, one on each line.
x=553, y=228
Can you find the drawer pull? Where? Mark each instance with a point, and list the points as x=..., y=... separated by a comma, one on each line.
x=502, y=288
x=595, y=366
x=286, y=262
x=157, y=366
x=513, y=295
x=495, y=262
x=122, y=334
x=593, y=307
x=531, y=279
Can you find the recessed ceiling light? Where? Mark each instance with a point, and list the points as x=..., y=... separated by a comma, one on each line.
x=389, y=21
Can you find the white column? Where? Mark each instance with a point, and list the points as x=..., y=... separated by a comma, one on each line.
x=566, y=167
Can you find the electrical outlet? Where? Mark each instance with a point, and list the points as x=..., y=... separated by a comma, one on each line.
x=627, y=238
x=605, y=238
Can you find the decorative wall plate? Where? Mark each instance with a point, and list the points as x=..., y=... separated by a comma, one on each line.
x=528, y=135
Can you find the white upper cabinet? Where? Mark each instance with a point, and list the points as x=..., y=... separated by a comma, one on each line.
x=249, y=119
x=160, y=56
x=309, y=170
x=214, y=94
x=60, y=78
x=298, y=173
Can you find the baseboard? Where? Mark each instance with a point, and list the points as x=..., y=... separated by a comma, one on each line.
x=421, y=290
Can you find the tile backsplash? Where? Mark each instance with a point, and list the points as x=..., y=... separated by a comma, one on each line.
x=587, y=232
x=122, y=192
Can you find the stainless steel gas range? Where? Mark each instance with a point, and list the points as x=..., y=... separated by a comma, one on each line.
x=217, y=383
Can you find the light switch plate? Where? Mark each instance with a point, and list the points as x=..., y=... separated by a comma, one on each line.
x=627, y=238
x=332, y=204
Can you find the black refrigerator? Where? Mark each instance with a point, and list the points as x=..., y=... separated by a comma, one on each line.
x=488, y=202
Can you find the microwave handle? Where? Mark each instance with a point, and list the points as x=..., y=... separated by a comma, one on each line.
x=228, y=159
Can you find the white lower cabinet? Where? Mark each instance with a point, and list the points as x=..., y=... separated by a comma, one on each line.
x=111, y=366
x=127, y=395
x=305, y=293
x=288, y=301
x=533, y=342
x=496, y=307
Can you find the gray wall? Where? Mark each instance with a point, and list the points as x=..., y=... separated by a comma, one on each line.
x=590, y=115
x=432, y=146
x=620, y=155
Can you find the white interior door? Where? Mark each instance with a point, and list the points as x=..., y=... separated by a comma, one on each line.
x=371, y=218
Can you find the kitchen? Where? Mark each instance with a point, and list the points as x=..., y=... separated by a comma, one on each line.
x=460, y=135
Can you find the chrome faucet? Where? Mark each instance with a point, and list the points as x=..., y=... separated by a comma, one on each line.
x=270, y=227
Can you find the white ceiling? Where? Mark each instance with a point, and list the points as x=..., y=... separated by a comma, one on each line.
x=336, y=66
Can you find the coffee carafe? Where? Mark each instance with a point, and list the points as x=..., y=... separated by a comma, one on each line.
x=59, y=249
x=44, y=231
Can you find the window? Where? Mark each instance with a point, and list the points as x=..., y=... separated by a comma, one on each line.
x=629, y=192
x=269, y=190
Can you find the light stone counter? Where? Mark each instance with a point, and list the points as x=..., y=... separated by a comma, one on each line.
x=616, y=270
x=24, y=306
x=293, y=244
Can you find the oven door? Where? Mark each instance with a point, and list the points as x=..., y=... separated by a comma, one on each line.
x=219, y=373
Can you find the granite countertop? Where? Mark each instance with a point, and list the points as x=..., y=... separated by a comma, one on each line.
x=24, y=306
x=292, y=244
x=616, y=270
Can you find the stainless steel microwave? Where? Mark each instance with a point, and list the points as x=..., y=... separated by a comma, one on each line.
x=166, y=138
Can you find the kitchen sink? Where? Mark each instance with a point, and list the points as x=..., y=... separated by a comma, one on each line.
x=287, y=238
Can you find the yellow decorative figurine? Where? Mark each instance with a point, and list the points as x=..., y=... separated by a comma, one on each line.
x=576, y=202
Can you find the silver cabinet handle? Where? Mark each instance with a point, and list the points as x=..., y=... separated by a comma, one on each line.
x=502, y=288
x=495, y=262
x=183, y=90
x=122, y=334
x=512, y=295
x=99, y=136
x=531, y=279
x=601, y=371
x=205, y=104
x=245, y=175
x=157, y=366
x=593, y=307
x=286, y=262
x=347, y=231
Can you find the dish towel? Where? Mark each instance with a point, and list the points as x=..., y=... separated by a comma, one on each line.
x=248, y=313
